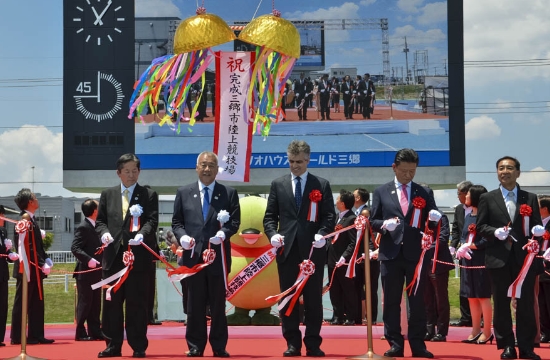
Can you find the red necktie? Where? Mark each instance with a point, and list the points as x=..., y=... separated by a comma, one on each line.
x=404, y=199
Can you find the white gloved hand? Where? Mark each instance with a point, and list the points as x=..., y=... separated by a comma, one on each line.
x=297, y=94
x=8, y=243
x=187, y=242
x=434, y=215
x=13, y=256
x=373, y=255
x=347, y=92
x=546, y=255
x=46, y=269
x=340, y=262
x=43, y=234
x=501, y=233
x=277, y=240
x=218, y=239
x=390, y=224
x=49, y=262
x=464, y=251
x=107, y=238
x=322, y=90
x=452, y=250
x=136, y=241
x=319, y=241
x=93, y=263
x=538, y=230
x=365, y=91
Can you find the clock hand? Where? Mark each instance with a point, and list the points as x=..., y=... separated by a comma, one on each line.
x=97, y=16
x=98, y=20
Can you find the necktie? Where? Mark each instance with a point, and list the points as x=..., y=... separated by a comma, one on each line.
x=205, y=203
x=298, y=193
x=511, y=204
x=404, y=199
x=125, y=203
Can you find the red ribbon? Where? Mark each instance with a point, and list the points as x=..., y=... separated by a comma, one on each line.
x=532, y=247
x=426, y=243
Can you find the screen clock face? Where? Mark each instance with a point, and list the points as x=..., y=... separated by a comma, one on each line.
x=99, y=99
x=99, y=21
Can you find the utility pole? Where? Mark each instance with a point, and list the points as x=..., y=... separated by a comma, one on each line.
x=445, y=66
x=406, y=51
x=32, y=179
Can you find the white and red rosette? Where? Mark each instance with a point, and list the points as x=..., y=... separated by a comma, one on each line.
x=315, y=197
x=223, y=217
x=533, y=248
x=22, y=226
x=128, y=258
x=418, y=203
x=545, y=239
x=472, y=231
x=427, y=239
x=183, y=272
x=135, y=210
x=525, y=211
x=360, y=224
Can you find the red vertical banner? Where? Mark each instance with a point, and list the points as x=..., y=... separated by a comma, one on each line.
x=233, y=131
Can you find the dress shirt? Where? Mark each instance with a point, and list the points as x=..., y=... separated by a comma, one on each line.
x=398, y=186
x=130, y=191
x=303, y=179
x=92, y=221
x=210, y=191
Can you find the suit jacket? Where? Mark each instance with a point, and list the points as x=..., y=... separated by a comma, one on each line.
x=443, y=252
x=41, y=255
x=458, y=226
x=492, y=214
x=302, y=88
x=345, y=244
x=345, y=87
x=109, y=220
x=85, y=244
x=188, y=220
x=282, y=217
x=385, y=205
x=324, y=91
x=4, y=271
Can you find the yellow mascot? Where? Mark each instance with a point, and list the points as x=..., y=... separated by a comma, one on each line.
x=253, y=274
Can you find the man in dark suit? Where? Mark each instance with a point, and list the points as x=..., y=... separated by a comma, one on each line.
x=544, y=279
x=346, y=90
x=38, y=263
x=127, y=216
x=358, y=88
x=500, y=222
x=5, y=247
x=343, y=295
x=368, y=91
x=195, y=223
x=302, y=88
x=461, y=211
x=400, y=248
x=324, y=97
x=85, y=244
x=287, y=224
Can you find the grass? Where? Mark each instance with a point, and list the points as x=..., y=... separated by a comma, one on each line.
x=60, y=305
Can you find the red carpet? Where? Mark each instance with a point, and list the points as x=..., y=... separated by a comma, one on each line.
x=250, y=342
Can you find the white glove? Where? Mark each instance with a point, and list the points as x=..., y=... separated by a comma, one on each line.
x=322, y=90
x=46, y=269
x=365, y=91
x=546, y=255
x=218, y=239
x=8, y=243
x=373, y=255
x=93, y=263
x=319, y=241
x=347, y=92
x=136, y=241
x=49, y=262
x=340, y=262
x=43, y=234
x=538, y=230
x=434, y=215
x=277, y=240
x=13, y=256
x=107, y=238
x=464, y=251
x=452, y=250
x=390, y=224
x=297, y=94
x=501, y=233
x=187, y=242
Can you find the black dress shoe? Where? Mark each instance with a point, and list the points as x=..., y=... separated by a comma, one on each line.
x=45, y=341
x=2, y=344
x=98, y=338
x=221, y=353
x=536, y=345
x=509, y=353
x=110, y=352
x=528, y=355
x=439, y=338
x=336, y=321
x=315, y=353
x=394, y=352
x=194, y=353
x=461, y=323
x=155, y=322
x=544, y=339
x=292, y=351
x=139, y=354
x=428, y=336
x=86, y=338
x=349, y=322
x=423, y=354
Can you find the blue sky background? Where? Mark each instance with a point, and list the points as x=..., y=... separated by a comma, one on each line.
x=507, y=75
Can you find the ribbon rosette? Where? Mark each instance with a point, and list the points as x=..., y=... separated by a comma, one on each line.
x=545, y=239
x=471, y=233
x=21, y=227
x=314, y=196
x=427, y=239
x=183, y=272
x=360, y=224
x=418, y=203
x=525, y=211
x=135, y=210
x=533, y=248
x=223, y=217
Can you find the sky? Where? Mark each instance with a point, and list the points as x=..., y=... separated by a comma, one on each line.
x=507, y=75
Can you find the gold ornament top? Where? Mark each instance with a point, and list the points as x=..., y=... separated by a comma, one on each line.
x=274, y=33
x=200, y=32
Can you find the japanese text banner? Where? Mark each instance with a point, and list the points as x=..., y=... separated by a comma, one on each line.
x=233, y=132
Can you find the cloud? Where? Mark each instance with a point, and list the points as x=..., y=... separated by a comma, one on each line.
x=416, y=37
x=433, y=13
x=367, y=2
x=157, y=8
x=535, y=177
x=347, y=10
x=410, y=6
x=482, y=127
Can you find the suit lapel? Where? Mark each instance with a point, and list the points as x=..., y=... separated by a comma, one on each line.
x=195, y=196
x=394, y=196
x=287, y=184
x=499, y=200
x=216, y=194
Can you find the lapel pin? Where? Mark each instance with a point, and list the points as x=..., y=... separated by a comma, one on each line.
x=215, y=197
x=393, y=192
x=195, y=195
